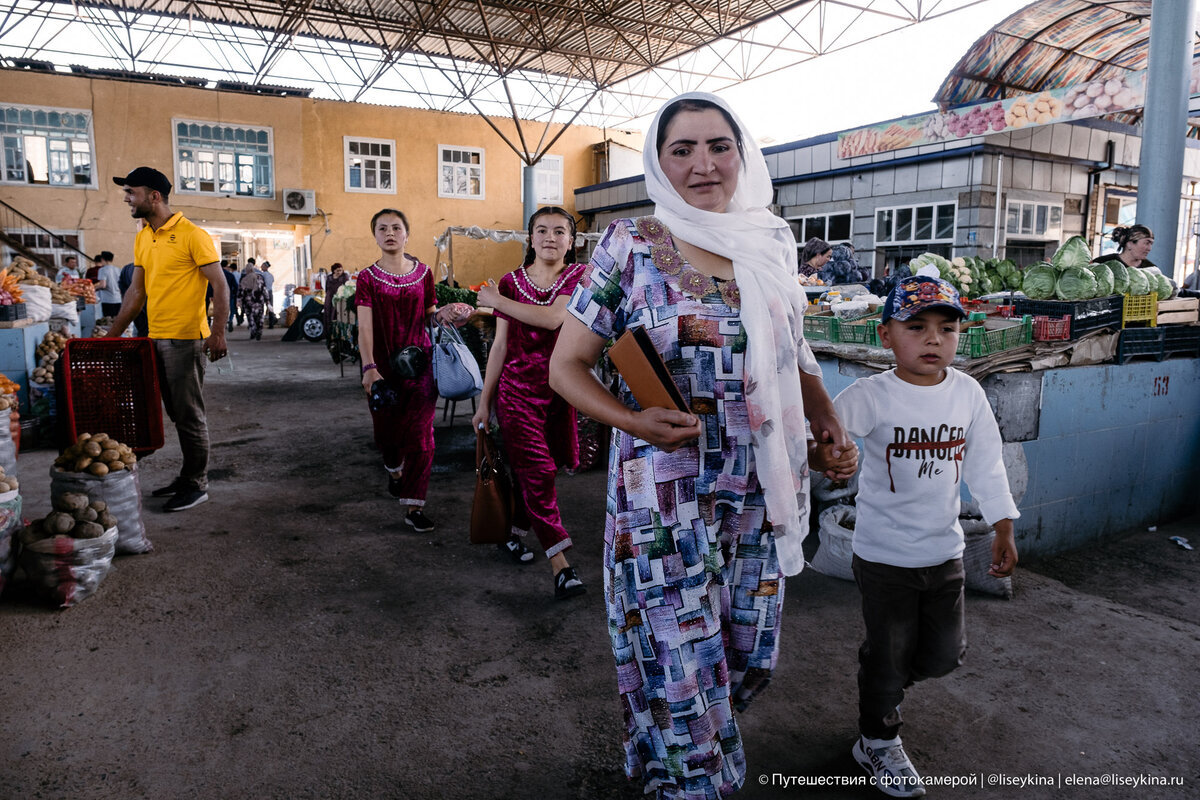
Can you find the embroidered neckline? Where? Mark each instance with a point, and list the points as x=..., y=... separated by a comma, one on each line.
x=668, y=261
x=536, y=294
x=398, y=281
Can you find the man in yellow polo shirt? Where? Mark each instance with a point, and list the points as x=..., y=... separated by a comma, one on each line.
x=174, y=263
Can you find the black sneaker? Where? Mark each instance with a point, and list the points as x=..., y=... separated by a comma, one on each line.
x=516, y=550
x=395, y=489
x=174, y=487
x=567, y=584
x=189, y=498
x=418, y=521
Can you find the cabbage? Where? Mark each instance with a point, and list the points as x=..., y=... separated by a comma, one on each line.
x=1075, y=283
x=1120, y=276
x=1075, y=253
x=1038, y=281
x=1138, y=282
x=1164, y=287
x=1104, y=279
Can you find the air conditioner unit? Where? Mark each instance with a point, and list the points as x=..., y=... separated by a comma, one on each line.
x=299, y=201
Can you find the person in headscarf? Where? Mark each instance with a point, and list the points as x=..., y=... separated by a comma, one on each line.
x=337, y=277
x=706, y=510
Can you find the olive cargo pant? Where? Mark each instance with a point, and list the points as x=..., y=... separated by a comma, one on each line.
x=181, y=379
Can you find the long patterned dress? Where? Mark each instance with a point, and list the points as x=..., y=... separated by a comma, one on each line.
x=404, y=432
x=693, y=587
x=539, y=428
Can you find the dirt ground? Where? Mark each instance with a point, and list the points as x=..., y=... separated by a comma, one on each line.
x=292, y=639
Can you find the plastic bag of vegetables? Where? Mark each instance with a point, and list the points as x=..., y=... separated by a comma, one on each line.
x=65, y=568
x=10, y=524
x=1104, y=278
x=1075, y=283
x=1039, y=281
x=8, y=448
x=121, y=493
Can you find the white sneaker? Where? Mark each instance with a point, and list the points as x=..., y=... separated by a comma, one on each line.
x=886, y=761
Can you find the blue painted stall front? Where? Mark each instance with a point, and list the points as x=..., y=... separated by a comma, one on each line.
x=1105, y=448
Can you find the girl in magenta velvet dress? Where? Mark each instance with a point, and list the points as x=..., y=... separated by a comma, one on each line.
x=395, y=300
x=538, y=426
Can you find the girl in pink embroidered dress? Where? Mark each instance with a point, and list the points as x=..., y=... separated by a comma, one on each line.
x=538, y=426
x=395, y=299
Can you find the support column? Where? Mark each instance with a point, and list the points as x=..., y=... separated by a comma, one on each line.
x=1165, y=125
x=530, y=188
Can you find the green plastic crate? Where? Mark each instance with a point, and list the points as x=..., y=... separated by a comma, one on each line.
x=859, y=331
x=994, y=336
x=821, y=327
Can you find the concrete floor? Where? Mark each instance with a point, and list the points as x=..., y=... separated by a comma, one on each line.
x=292, y=639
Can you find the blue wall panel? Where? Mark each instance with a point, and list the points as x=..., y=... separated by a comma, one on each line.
x=1118, y=447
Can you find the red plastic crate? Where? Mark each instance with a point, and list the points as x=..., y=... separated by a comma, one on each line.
x=111, y=386
x=1048, y=329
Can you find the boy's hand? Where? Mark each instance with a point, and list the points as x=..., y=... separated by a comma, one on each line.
x=1004, y=550
x=835, y=460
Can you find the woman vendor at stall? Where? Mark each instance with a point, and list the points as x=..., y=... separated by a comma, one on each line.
x=1135, y=242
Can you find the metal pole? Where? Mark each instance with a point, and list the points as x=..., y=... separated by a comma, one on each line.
x=530, y=187
x=999, y=188
x=1165, y=125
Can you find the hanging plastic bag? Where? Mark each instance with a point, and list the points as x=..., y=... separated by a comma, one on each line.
x=65, y=569
x=120, y=492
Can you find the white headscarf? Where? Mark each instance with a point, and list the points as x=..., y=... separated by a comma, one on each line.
x=763, y=251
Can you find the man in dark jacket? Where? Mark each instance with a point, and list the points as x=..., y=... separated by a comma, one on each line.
x=231, y=278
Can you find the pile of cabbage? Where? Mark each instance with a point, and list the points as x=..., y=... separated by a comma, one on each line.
x=1070, y=276
x=971, y=275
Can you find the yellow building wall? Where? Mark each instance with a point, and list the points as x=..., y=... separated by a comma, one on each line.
x=132, y=125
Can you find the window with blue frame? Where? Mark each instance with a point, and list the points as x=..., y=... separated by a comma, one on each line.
x=212, y=158
x=46, y=146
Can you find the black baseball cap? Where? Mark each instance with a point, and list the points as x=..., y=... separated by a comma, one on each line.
x=148, y=177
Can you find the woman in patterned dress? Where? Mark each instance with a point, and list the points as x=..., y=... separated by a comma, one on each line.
x=395, y=300
x=706, y=511
x=539, y=428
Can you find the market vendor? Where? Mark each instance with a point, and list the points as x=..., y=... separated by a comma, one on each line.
x=817, y=253
x=1135, y=243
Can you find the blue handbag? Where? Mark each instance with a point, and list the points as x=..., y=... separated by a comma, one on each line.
x=455, y=372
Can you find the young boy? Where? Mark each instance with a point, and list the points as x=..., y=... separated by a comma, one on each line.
x=925, y=427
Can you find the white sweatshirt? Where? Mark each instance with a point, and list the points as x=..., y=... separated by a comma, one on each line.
x=919, y=442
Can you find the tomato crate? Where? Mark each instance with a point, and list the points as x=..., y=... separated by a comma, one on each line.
x=859, y=331
x=995, y=335
x=111, y=386
x=1140, y=308
x=1046, y=329
x=1086, y=315
x=821, y=327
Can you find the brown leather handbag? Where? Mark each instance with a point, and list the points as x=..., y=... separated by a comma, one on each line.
x=492, y=509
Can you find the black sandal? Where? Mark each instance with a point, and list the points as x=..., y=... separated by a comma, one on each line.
x=517, y=550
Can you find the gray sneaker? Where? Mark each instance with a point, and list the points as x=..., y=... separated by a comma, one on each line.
x=888, y=765
x=189, y=498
